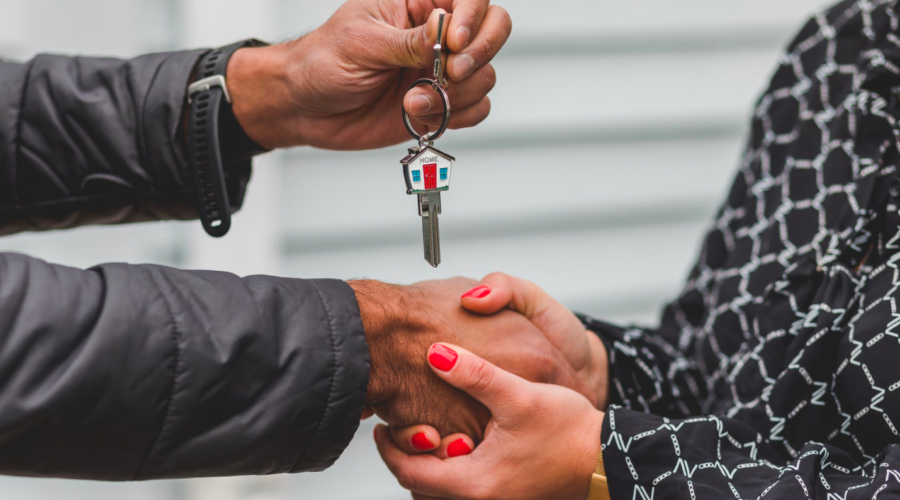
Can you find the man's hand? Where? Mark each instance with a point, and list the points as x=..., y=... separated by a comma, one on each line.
x=341, y=86
x=402, y=322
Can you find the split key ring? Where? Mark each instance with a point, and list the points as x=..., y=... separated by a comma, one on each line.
x=433, y=136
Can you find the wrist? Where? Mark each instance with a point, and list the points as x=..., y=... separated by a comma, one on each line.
x=258, y=82
x=598, y=378
x=385, y=313
x=588, y=458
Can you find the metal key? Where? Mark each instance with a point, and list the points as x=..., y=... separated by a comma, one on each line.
x=427, y=173
x=426, y=170
x=429, y=209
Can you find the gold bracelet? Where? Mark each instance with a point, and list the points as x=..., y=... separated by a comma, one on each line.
x=599, y=469
x=599, y=489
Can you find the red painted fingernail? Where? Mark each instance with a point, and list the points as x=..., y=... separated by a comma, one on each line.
x=375, y=432
x=442, y=358
x=479, y=292
x=420, y=441
x=458, y=448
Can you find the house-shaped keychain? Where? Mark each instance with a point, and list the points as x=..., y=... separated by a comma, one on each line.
x=427, y=169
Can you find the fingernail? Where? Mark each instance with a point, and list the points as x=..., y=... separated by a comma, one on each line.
x=462, y=37
x=479, y=292
x=463, y=66
x=458, y=448
x=419, y=104
x=420, y=441
x=442, y=358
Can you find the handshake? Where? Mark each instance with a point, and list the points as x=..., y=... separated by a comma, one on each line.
x=498, y=367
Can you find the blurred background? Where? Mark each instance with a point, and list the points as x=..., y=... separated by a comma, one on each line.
x=616, y=129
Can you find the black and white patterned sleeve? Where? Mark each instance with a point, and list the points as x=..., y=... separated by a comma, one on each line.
x=649, y=372
x=647, y=456
x=774, y=373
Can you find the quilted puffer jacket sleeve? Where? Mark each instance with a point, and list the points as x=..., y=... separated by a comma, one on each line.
x=126, y=372
x=97, y=141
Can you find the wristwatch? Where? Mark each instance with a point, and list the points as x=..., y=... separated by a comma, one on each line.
x=215, y=139
x=599, y=489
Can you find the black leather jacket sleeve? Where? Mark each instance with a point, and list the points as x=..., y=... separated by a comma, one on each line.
x=126, y=372
x=97, y=141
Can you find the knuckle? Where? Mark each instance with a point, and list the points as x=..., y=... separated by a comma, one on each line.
x=495, y=276
x=490, y=77
x=481, y=377
x=482, y=115
x=407, y=47
x=525, y=405
x=487, y=48
x=457, y=95
x=505, y=19
x=544, y=366
x=498, y=279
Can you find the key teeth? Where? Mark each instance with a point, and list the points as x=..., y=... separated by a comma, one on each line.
x=433, y=247
x=429, y=208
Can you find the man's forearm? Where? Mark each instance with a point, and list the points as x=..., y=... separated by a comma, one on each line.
x=142, y=372
x=390, y=320
x=94, y=140
x=258, y=81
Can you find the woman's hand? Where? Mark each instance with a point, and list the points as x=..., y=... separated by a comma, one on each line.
x=342, y=86
x=542, y=442
x=401, y=322
x=582, y=348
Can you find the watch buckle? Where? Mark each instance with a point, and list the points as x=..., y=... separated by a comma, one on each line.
x=206, y=84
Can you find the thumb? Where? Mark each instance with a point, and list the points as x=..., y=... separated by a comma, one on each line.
x=499, y=290
x=498, y=390
x=562, y=328
x=410, y=48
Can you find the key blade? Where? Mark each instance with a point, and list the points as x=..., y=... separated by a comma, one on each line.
x=429, y=209
x=431, y=239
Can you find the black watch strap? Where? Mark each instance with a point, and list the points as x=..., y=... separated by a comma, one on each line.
x=209, y=109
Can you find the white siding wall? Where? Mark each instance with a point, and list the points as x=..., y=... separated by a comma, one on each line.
x=616, y=128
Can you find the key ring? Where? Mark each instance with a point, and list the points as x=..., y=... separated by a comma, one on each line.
x=433, y=136
x=438, y=85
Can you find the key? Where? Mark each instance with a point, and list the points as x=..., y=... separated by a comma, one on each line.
x=426, y=169
x=427, y=173
x=429, y=209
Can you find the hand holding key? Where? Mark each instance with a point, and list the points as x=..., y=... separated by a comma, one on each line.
x=339, y=87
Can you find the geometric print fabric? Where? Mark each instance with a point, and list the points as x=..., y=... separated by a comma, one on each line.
x=776, y=372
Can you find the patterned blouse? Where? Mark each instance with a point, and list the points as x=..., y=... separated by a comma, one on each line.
x=776, y=372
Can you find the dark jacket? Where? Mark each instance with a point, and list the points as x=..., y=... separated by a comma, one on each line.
x=125, y=372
